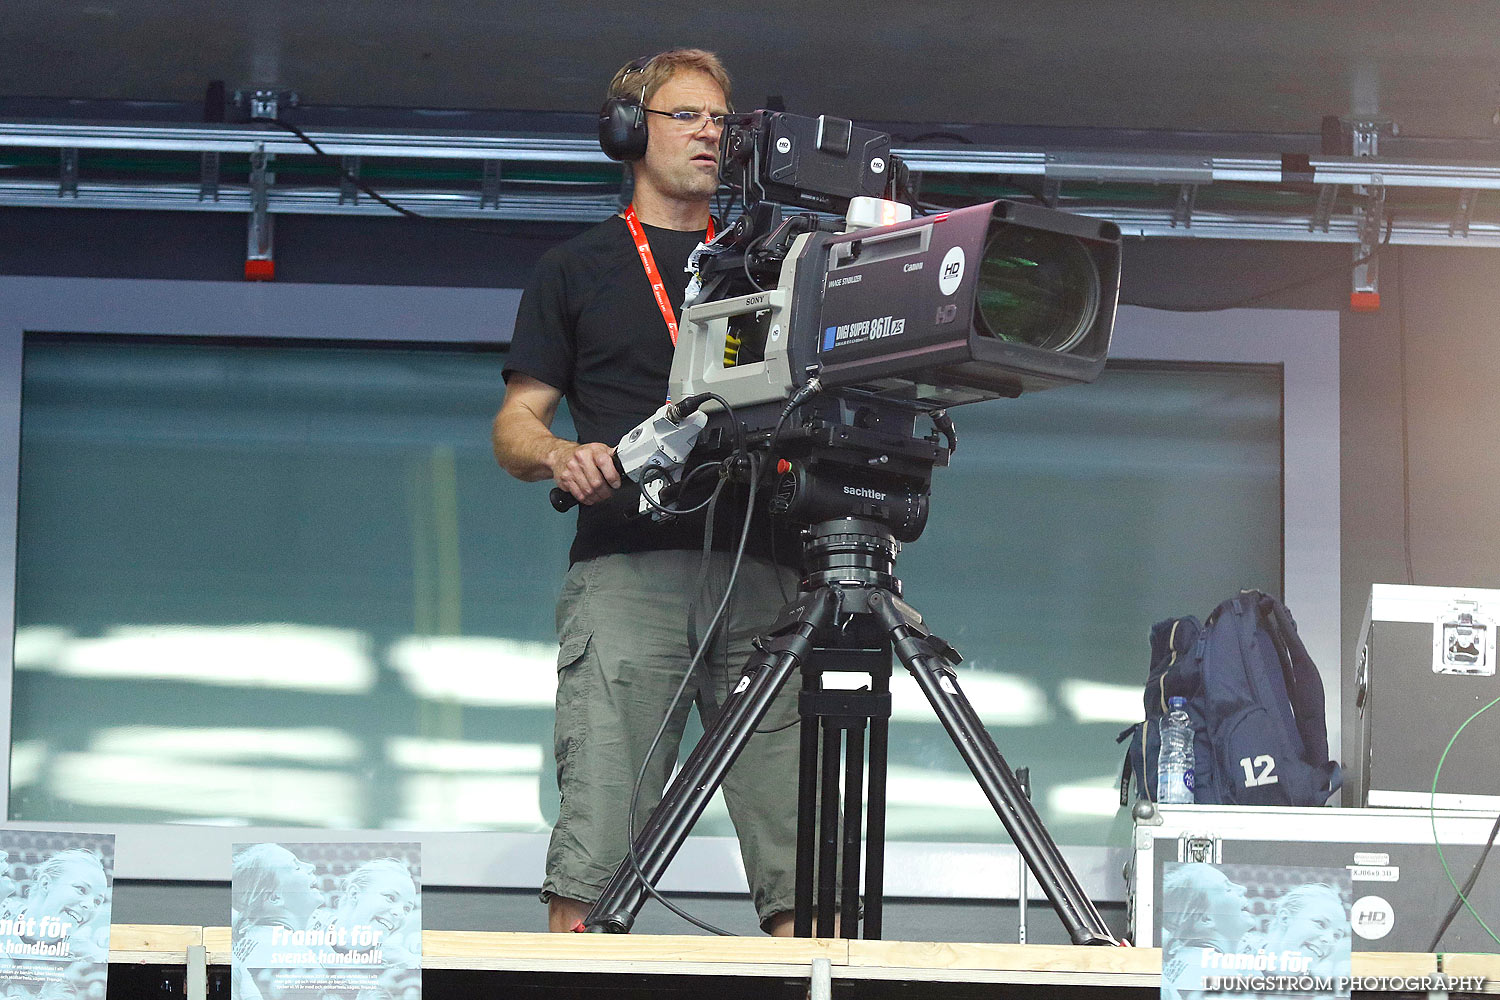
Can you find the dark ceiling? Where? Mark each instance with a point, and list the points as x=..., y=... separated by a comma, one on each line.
x=1185, y=65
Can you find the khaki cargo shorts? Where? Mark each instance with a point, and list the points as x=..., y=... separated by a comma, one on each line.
x=623, y=628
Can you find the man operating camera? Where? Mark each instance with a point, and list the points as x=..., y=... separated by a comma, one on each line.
x=597, y=325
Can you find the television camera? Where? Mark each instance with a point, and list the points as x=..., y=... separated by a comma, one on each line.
x=820, y=342
x=860, y=325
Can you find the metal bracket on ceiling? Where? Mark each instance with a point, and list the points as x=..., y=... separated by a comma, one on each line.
x=264, y=104
x=208, y=177
x=1323, y=214
x=67, y=181
x=1182, y=212
x=1365, y=132
x=1463, y=217
x=489, y=188
x=1369, y=217
x=260, y=264
x=1369, y=213
x=348, y=190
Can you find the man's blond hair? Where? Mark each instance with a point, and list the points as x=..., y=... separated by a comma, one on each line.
x=635, y=78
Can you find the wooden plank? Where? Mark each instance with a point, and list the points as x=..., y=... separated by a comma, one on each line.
x=1020, y=958
x=153, y=937
x=1392, y=963
x=481, y=950
x=147, y=957
x=1486, y=966
x=499, y=949
x=1038, y=964
x=615, y=967
x=1459, y=964
x=1007, y=977
x=151, y=944
x=686, y=955
x=217, y=941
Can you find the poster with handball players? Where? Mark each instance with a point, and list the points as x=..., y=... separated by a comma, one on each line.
x=1236, y=930
x=55, y=892
x=326, y=922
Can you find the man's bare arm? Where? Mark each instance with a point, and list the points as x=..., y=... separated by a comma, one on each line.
x=526, y=447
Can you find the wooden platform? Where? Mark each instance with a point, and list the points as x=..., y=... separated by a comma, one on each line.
x=633, y=960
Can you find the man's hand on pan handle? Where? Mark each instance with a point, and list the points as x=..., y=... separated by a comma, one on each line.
x=585, y=473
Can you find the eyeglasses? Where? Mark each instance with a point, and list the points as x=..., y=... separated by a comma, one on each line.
x=694, y=120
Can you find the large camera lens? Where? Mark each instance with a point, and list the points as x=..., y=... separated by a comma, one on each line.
x=1036, y=288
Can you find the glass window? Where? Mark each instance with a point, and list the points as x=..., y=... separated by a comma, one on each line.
x=1068, y=523
x=278, y=584
x=287, y=585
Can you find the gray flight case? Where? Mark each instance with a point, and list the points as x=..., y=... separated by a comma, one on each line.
x=1426, y=663
x=1401, y=892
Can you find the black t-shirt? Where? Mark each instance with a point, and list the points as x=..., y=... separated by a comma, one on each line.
x=589, y=326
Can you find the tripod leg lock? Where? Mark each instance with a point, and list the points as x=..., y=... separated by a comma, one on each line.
x=905, y=625
x=793, y=629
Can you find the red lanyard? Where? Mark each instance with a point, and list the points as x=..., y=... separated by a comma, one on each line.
x=648, y=261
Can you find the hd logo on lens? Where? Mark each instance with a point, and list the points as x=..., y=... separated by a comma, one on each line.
x=865, y=329
x=951, y=273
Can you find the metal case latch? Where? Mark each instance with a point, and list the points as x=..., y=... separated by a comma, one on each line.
x=1463, y=641
x=1199, y=848
x=1362, y=680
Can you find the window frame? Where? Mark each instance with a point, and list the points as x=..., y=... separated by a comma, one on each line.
x=1303, y=343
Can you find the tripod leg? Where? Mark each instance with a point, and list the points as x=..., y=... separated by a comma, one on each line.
x=807, y=845
x=875, y=817
x=928, y=660
x=775, y=659
x=828, y=827
x=854, y=786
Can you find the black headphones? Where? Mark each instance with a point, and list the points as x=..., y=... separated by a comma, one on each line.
x=622, y=121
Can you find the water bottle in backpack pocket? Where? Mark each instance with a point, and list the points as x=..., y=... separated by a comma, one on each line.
x=1174, y=769
x=1174, y=674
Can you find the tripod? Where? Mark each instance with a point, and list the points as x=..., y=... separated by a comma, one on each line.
x=851, y=579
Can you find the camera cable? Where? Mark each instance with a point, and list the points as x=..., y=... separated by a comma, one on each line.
x=698, y=656
x=703, y=567
x=1462, y=899
x=944, y=426
x=1311, y=279
x=677, y=414
x=401, y=210
x=682, y=486
x=806, y=391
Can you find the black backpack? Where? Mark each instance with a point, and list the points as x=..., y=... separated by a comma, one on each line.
x=1256, y=703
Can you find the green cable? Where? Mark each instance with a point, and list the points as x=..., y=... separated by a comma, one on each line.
x=1432, y=814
